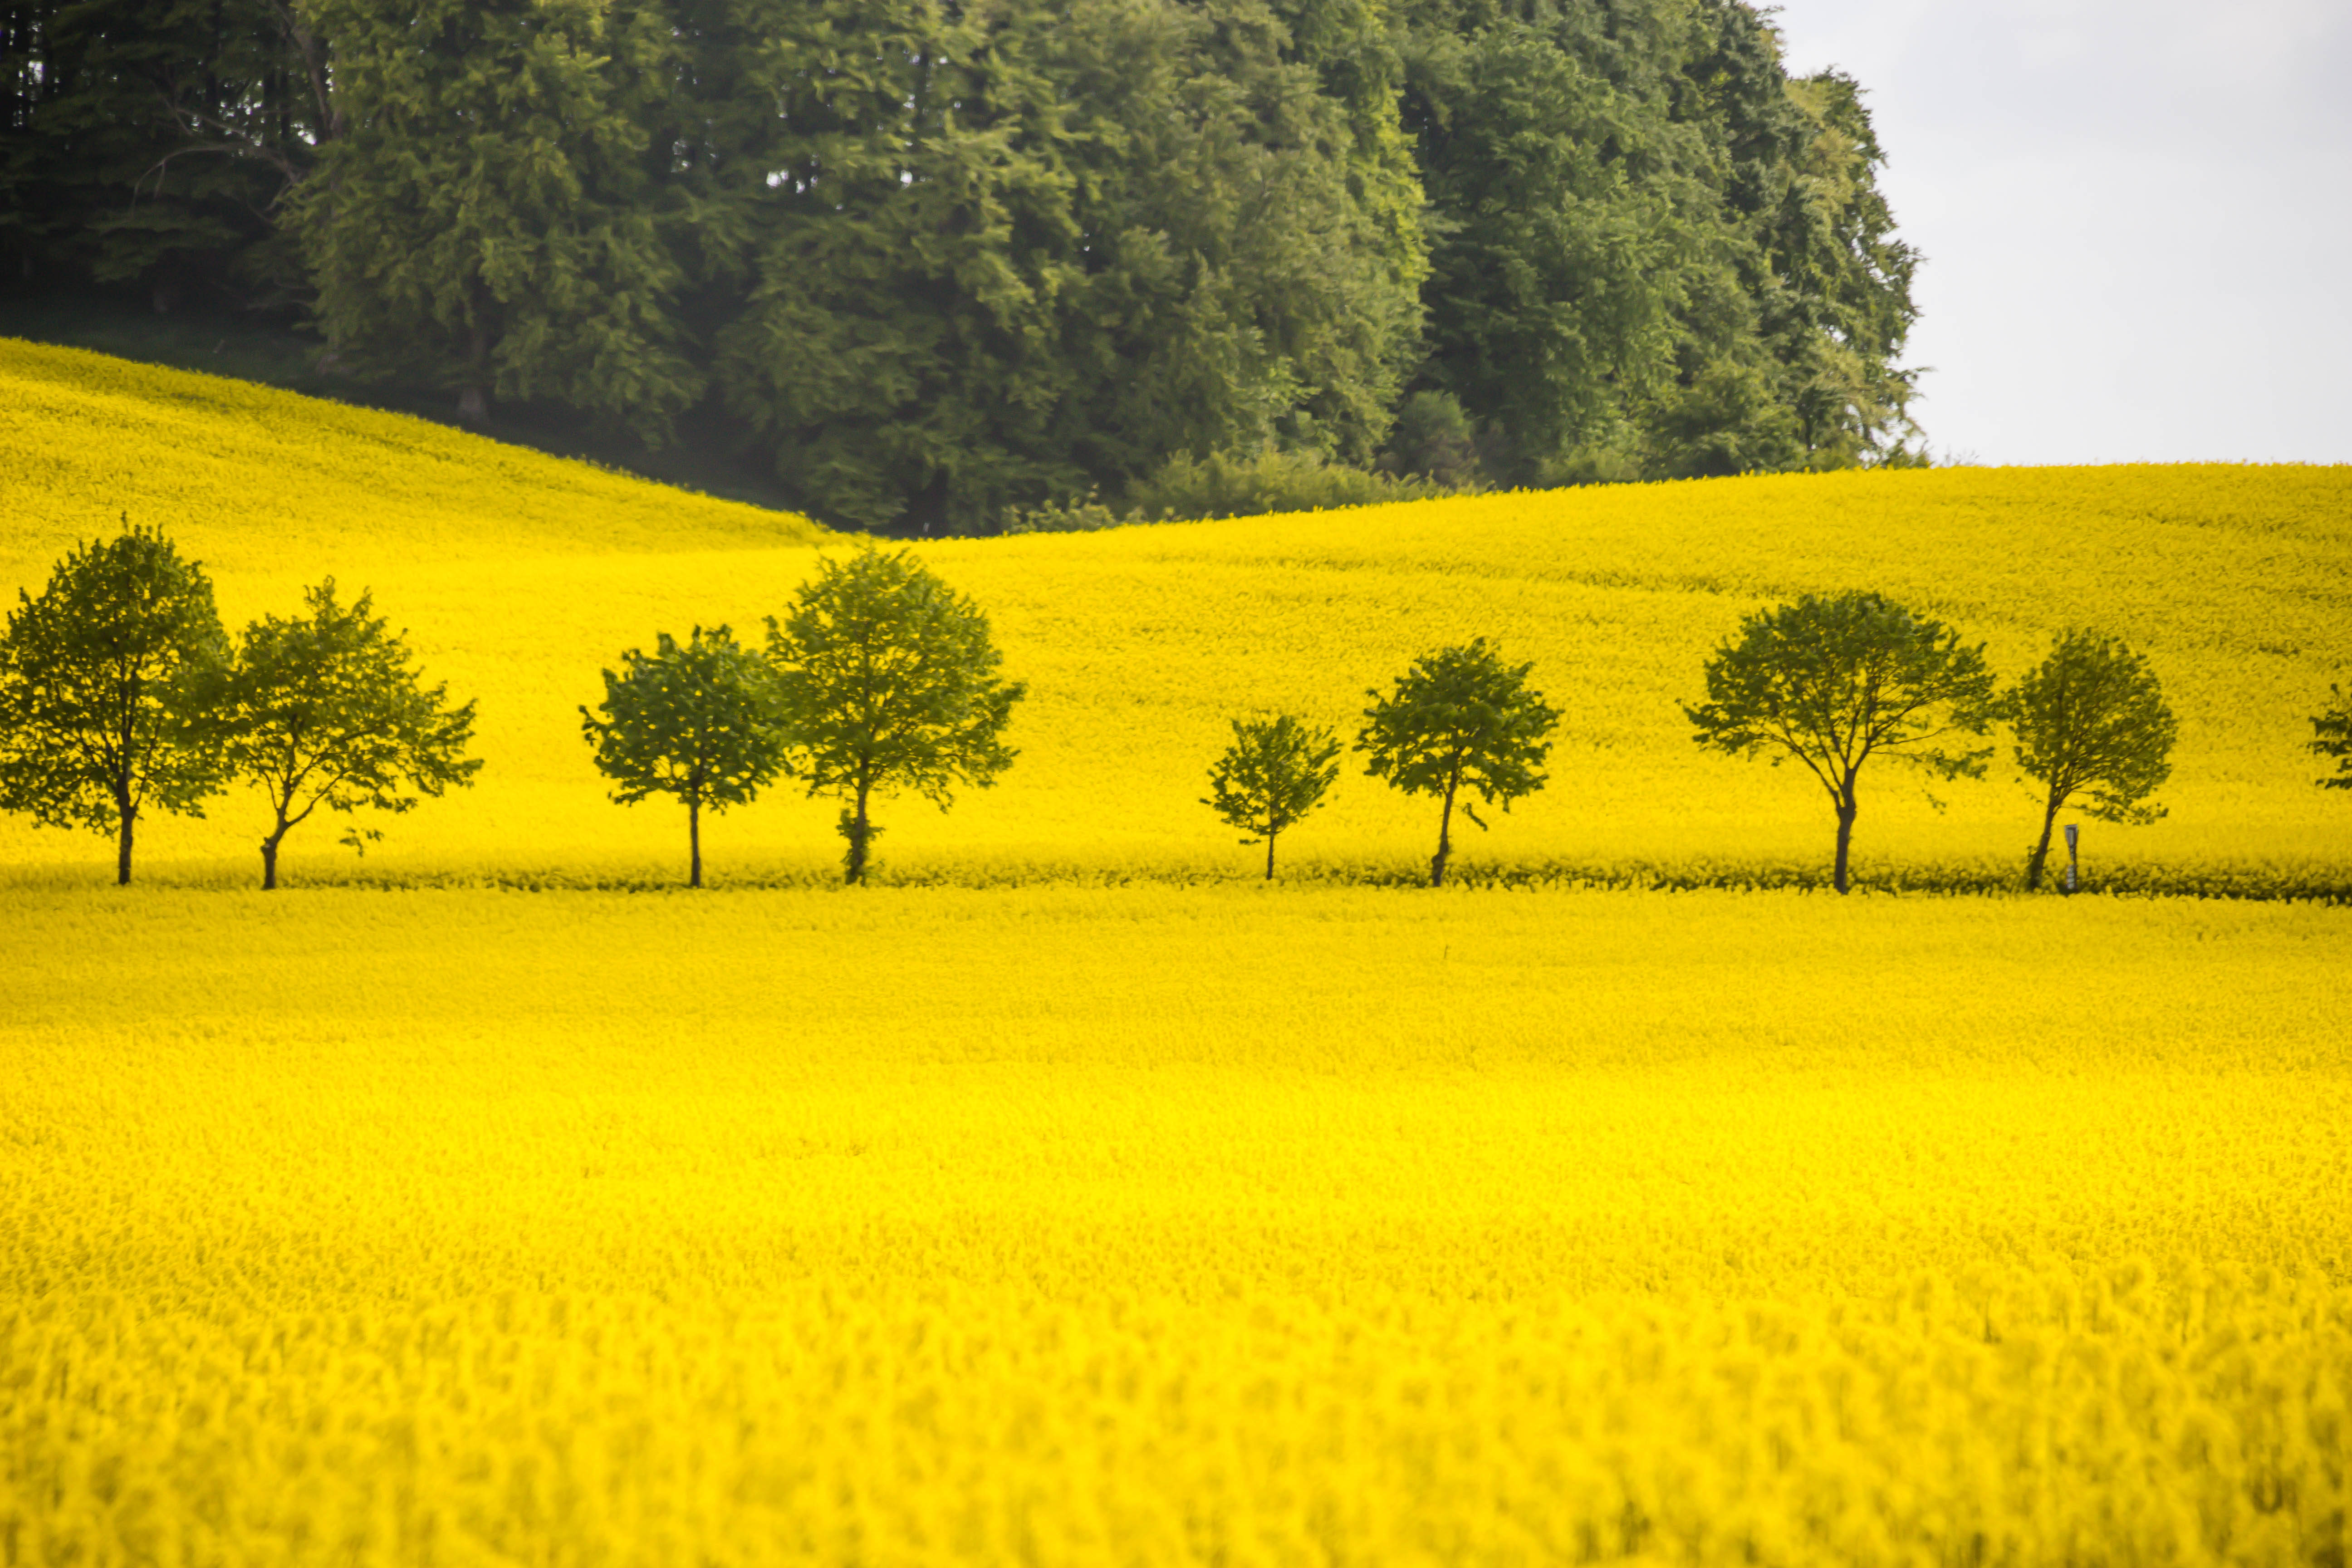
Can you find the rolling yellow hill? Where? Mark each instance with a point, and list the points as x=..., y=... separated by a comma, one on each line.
x=520, y=576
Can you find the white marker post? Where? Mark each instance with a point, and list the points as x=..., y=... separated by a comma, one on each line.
x=2072, y=859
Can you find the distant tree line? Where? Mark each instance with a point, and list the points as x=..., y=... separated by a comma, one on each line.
x=948, y=265
x=121, y=693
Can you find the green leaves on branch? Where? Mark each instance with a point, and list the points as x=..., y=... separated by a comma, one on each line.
x=693, y=720
x=491, y=218
x=1834, y=682
x=97, y=690
x=1459, y=719
x=1272, y=774
x=885, y=681
x=2091, y=721
x=325, y=709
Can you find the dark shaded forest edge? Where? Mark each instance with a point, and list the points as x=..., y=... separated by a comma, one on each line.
x=925, y=268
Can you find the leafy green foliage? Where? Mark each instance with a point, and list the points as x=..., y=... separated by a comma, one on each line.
x=2091, y=719
x=2331, y=730
x=95, y=686
x=694, y=721
x=942, y=266
x=1834, y=682
x=1029, y=248
x=486, y=221
x=886, y=680
x=1274, y=773
x=147, y=141
x=325, y=709
x=1459, y=718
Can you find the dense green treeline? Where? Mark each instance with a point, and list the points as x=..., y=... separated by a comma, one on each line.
x=948, y=264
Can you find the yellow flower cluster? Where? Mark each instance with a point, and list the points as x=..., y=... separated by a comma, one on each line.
x=1236, y=1225
x=521, y=578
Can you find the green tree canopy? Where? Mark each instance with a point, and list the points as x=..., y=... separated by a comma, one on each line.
x=2331, y=730
x=1274, y=773
x=1032, y=248
x=325, y=709
x=886, y=680
x=694, y=721
x=2091, y=721
x=1459, y=718
x=1836, y=681
x=487, y=220
x=96, y=678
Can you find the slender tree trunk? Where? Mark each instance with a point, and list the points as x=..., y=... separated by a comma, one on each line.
x=122, y=846
x=1269, y=855
x=269, y=859
x=853, y=863
x=1445, y=832
x=1847, y=809
x=474, y=397
x=693, y=841
x=2041, y=855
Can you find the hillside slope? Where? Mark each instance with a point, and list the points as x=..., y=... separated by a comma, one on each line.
x=520, y=576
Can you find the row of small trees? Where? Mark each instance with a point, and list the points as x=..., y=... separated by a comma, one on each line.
x=121, y=693
x=1829, y=682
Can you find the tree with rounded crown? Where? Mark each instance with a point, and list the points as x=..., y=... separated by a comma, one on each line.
x=693, y=720
x=2091, y=719
x=324, y=709
x=1274, y=773
x=1836, y=681
x=886, y=680
x=95, y=680
x=2331, y=731
x=1459, y=719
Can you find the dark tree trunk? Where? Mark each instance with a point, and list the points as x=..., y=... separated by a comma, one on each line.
x=1445, y=832
x=1847, y=809
x=122, y=847
x=693, y=842
x=269, y=862
x=860, y=830
x=2041, y=855
x=474, y=397
x=1269, y=856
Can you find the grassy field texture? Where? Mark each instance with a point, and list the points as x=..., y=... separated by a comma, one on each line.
x=521, y=578
x=1157, y=1225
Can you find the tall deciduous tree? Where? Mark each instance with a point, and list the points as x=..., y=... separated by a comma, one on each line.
x=2331, y=730
x=326, y=710
x=2091, y=719
x=1459, y=719
x=489, y=217
x=886, y=680
x=1834, y=681
x=694, y=721
x=95, y=688
x=1274, y=773
x=1027, y=248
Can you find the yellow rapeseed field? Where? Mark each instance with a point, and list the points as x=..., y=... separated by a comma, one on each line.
x=521, y=578
x=1138, y=1226
x=1032, y=1218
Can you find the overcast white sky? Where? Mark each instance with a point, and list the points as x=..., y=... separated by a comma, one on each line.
x=2137, y=217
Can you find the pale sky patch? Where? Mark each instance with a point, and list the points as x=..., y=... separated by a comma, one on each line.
x=2136, y=218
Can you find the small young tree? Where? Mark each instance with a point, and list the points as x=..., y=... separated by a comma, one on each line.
x=323, y=709
x=2331, y=732
x=2091, y=719
x=1836, y=681
x=1272, y=774
x=95, y=687
x=1459, y=718
x=886, y=679
x=693, y=720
